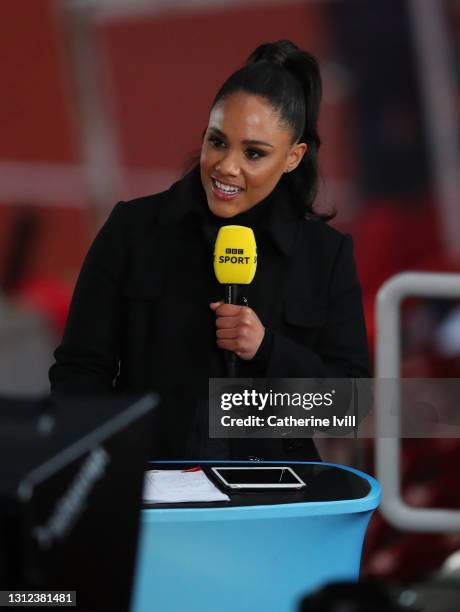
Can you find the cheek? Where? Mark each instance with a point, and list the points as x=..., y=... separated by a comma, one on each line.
x=263, y=177
x=208, y=157
x=203, y=158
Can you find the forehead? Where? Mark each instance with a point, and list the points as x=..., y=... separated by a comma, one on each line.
x=246, y=116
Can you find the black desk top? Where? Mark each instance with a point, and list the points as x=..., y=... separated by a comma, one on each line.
x=324, y=483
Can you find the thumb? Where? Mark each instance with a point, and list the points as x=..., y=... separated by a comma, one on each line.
x=215, y=305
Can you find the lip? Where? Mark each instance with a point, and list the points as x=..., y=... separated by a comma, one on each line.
x=220, y=194
x=216, y=178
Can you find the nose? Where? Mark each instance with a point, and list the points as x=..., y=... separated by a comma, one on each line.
x=228, y=164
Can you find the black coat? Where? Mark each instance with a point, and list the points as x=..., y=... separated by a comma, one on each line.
x=140, y=316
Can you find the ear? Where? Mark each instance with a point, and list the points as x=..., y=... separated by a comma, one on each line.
x=295, y=156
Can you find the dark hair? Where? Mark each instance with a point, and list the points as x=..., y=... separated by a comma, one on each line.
x=289, y=79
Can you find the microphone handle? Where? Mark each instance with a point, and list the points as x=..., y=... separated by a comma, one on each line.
x=230, y=297
x=231, y=294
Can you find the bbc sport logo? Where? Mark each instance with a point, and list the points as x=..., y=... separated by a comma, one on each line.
x=234, y=251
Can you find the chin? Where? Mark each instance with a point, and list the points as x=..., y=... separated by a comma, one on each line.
x=222, y=211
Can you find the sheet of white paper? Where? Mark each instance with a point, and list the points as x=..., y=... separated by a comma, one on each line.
x=172, y=486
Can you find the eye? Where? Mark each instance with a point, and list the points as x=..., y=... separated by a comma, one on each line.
x=216, y=142
x=254, y=154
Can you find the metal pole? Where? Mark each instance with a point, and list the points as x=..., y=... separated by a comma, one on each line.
x=436, y=72
x=388, y=364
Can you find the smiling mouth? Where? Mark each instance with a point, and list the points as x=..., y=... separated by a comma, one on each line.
x=224, y=191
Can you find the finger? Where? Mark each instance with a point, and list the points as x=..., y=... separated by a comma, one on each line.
x=215, y=305
x=228, y=310
x=244, y=315
x=230, y=345
x=227, y=334
x=247, y=315
x=227, y=322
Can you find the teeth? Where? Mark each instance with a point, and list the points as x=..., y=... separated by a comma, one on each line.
x=226, y=188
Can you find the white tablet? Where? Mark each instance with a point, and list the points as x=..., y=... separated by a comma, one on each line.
x=258, y=477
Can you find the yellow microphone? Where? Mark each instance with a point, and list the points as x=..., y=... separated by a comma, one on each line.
x=235, y=255
x=235, y=263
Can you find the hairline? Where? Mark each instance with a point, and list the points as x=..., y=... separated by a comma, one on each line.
x=282, y=122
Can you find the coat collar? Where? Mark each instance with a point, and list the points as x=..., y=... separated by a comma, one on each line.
x=186, y=202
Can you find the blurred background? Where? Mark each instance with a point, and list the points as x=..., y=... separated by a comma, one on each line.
x=105, y=100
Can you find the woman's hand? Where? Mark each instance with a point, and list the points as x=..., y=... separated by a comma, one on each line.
x=238, y=329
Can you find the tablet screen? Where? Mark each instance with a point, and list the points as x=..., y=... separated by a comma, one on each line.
x=258, y=476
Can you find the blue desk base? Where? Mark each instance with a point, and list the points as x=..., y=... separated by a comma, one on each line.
x=254, y=558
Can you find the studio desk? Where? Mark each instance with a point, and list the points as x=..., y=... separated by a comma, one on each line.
x=257, y=552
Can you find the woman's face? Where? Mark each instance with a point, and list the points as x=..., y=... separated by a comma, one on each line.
x=244, y=153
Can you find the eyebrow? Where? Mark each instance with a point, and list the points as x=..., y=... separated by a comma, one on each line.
x=246, y=142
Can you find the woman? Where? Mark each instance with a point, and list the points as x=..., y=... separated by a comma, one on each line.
x=147, y=310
